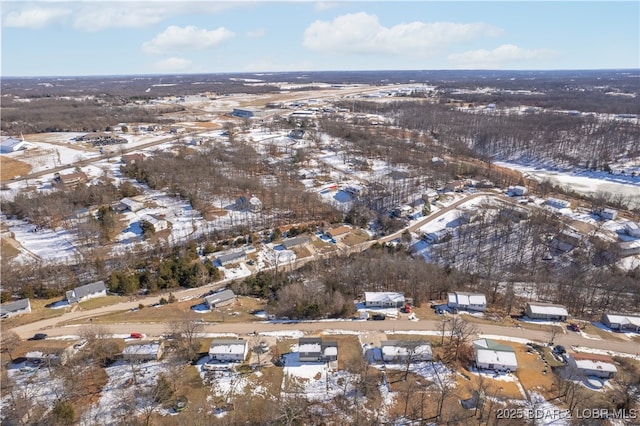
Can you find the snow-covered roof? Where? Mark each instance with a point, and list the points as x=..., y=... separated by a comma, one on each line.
x=405, y=348
x=489, y=356
x=309, y=347
x=376, y=296
x=465, y=299
x=594, y=362
x=331, y=351
x=623, y=319
x=547, y=309
x=228, y=346
x=142, y=349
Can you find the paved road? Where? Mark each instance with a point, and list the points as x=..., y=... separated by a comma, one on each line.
x=245, y=328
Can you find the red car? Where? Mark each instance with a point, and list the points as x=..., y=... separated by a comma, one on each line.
x=136, y=335
x=573, y=327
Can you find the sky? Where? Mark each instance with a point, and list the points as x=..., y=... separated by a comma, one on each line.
x=79, y=38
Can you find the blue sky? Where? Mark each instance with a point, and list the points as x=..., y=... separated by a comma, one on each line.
x=58, y=38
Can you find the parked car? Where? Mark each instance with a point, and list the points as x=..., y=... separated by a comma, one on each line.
x=574, y=327
x=378, y=317
x=136, y=335
x=39, y=336
x=559, y=349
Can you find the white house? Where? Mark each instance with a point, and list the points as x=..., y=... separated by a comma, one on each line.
x=491, y=355
x=557, y=203
x=608, y=214
x=159, y=224
x=467, y=301
x=546, y=311
x=374, y=299
x=17, y=307
x=85, y=292
x=622, y=322
x=632, y=229
x=314, y=349
x=221, y=298
x=228, y=350
x=143, y=352
x=403, y=350
x=592, y=365
x=518, y=191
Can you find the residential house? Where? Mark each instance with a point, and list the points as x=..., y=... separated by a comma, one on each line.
x=491, y=355
x=70, y=180
x=314, y=349
x=338, y=233
x=130, y=159
x=249, y=203
x=230, y=258
x=518, y=191
x=128, y=204
x=228, y=350
x=546, y=311
x=629, y=248
x=17, y=307
x=376, y=299
x=405, y=350
x=632, y=229
x=622, y=322
x=220, y=298
x=295, y=242
x=143, y=352
x=608, y=214
x=159, y=224
x=85, y=292
x=242, y=113
x=592, y=365
x=467, y=301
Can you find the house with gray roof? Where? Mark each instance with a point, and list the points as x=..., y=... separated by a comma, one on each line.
x=221, y=298
x=230, y=258
x=17, y=307
x=85, y=292
x=546, y=311
x=295, y=242
x=314, y=349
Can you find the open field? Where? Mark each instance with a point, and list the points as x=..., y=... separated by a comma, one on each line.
x=10, y=167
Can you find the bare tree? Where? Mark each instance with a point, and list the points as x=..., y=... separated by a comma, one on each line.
x=462, y=332
x=184, y=334
x=10, y=341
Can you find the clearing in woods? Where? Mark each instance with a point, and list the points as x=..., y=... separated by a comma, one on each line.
x=10, y=168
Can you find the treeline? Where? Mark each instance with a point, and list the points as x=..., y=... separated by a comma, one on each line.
x=582, y=141
x=327, y=288
x=65, y=115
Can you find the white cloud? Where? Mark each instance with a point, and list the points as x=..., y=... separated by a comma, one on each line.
x=322, y=6
x=175, y=39
x=35, y=17
x=499, y=56
x=173, y=65
x=102, y=15
x=362, y=33
x=257, y=33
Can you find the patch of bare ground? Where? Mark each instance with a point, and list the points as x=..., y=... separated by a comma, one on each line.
x=533, y=372
x=10, y=167
x=355, y=237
